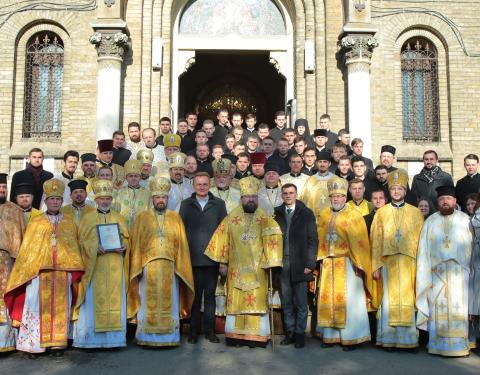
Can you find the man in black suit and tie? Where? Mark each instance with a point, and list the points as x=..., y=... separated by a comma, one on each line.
x=300, y=246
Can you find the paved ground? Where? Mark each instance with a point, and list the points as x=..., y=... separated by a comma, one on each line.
x=207, y=358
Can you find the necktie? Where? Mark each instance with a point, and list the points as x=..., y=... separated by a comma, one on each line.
x=289, y=211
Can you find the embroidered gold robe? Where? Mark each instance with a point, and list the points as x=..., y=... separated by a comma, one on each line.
x=104, y=271
x=341, y=235
x=77, y=213
x=268, y=199
x=49, y=252
x=27, y=216
x=249, y=244
x=315, y=193
x=364, y=208
x=130, y=201
x=299, y=181
x=231, y=197
x=12, y=227
x=118, y=174
x=395, y=234
x=159, y=244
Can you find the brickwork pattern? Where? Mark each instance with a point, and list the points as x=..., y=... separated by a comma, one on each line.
x=146, y=94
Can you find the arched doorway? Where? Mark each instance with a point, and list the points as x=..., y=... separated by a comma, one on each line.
x=244, y=83
x=234, y=53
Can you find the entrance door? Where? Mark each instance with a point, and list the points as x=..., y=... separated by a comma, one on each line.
x=240, y=81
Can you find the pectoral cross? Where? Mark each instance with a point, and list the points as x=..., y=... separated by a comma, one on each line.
x=246, y=237
x=446, y=242
x=331, y=237
x=398, y=235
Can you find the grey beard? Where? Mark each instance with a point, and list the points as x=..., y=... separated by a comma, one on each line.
x=338, y=207
x=104, y=208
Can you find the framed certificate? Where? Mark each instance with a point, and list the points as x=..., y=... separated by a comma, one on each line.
x=109, y=236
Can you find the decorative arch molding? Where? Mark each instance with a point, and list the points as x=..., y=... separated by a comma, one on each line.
x=307, y=18
x=442, y=57
x=20, y=147
x=422, y=23
x=183, y=47
x=391, y=42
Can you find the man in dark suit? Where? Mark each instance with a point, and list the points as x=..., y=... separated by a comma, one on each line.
x=325, y=122
x=378, y=199
x=300, y=246
x=120, y=153
x=470, y=183
x=34, y=174
x=357, y=148
x=201, y=215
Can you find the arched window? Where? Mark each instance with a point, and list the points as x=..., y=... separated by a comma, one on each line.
x=42, y=115
x=420, y=91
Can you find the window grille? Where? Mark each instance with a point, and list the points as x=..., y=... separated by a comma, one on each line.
x=420, y=99
x=42, y=116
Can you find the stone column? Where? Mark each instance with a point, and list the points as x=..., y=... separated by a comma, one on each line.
x=358, y=52
x=111, y=46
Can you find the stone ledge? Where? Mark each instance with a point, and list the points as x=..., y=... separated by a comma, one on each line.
x=51, y=148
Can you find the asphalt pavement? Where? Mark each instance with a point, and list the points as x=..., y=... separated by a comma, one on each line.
x=207, y=358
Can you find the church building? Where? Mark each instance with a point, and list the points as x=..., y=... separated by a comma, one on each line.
x=398, y=72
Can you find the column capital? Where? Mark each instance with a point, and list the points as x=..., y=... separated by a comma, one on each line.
x=112, y=44
x=358, y=47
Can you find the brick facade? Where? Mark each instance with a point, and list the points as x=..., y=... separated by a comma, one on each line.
x=146, y=93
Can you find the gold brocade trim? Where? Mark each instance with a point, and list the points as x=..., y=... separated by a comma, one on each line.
x=4, y=272
x=347, y=342
x=401, y=289
x=248, y=258
x=270, y=231
x=247, y=324
x=332, y=304
x=7, y=349
x=159, y=297
x=452, y=353
x=247, y=337
x=399, y=346
x=53, y=297
x=107, y=292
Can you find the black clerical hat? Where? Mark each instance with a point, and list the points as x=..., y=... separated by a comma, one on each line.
x=388, y=148
x=105, y=145
x=78, y=184
x=320, y=133
x=323, y=155
x=88, y=157
x=272, y=167
x=24, y=188
x=445, y=190
x=301, y=122
x=3, y=178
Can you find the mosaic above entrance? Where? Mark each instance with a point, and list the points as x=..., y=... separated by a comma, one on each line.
x=224, y=17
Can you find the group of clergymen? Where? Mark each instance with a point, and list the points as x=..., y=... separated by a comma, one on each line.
x=205, y=234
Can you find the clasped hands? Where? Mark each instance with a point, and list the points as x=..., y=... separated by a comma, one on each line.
x=102, y=251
